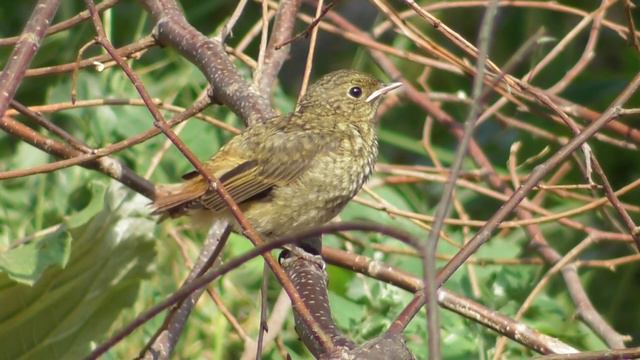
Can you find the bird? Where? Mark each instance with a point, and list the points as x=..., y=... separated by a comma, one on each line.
x=292, y=172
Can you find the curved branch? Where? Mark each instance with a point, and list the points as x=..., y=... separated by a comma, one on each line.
x=228, y=87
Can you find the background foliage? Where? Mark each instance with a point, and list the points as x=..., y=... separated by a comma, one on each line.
x=103, y=260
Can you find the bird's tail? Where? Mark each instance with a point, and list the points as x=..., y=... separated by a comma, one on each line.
x=176, y=199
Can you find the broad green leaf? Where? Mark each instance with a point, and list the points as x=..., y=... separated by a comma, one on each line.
x=69, y=309
x=96, y=204
x=26, y=263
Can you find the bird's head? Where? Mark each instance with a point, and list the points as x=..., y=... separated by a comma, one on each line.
x=348, y=94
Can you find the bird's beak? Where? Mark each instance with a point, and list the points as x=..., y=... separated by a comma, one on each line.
x=383, y=90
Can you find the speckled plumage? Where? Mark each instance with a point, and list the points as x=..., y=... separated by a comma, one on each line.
x=295, y=171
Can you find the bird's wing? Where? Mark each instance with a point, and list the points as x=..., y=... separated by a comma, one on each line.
x=175, y=199
x=278, y=160
x=248, y=166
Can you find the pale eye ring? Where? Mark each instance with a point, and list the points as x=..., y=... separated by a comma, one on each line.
x=355, y=92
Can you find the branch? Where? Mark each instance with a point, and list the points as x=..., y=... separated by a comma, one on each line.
x=539, y=172
x=468, y=308
x=628, y=12
x=25, y=50
x=209, y=55
x=132, y=50
x=162, y=343
x=247, y=228
x=444, y=205
x=109, y=166
x=589, y=156
x=216, y=272
x=491, y=176
x=587, y=312
x=632, y=353
x=274, y=56
x=66, y=24
x=312, y=281
x=57, y=149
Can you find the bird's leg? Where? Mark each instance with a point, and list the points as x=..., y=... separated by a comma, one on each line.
x=291, y=251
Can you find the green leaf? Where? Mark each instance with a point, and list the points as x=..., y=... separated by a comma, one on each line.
x=294, y=355
x=345, y=312
x=68, y=310
x=26, y=263
x=96, y=204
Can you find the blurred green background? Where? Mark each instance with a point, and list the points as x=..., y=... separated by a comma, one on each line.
x=140, y=268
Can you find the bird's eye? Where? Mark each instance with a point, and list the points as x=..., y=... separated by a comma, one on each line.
x=355, y=92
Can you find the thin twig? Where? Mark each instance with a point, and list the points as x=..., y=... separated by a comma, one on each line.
x=25, y=50
x=133, y=50
x=444, y=205
x=541, y=170
x=264, y=36
x=109, y=166
x=279, y=314
x=235, y=324
x=112, y=168
x=162, y=343
x=556, y=268
x=320, y=12
x=481, y=159
x=468, y=308
x=76, y=70
x=66, y=24
x=193, y=111
x=227, y=29
x=311, y=51
x=45, y=123
x=628, y=12
x=617, y=354
x=275, y=57
x=264, y=312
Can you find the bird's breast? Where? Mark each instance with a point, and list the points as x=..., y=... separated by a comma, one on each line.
x=338, y=175
x=321, y=192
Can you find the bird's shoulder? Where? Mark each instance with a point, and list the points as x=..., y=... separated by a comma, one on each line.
x=284, y=136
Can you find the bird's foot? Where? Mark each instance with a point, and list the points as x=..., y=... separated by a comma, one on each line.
x=291, y=251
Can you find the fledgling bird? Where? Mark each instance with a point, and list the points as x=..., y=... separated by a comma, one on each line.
x=296, y=171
